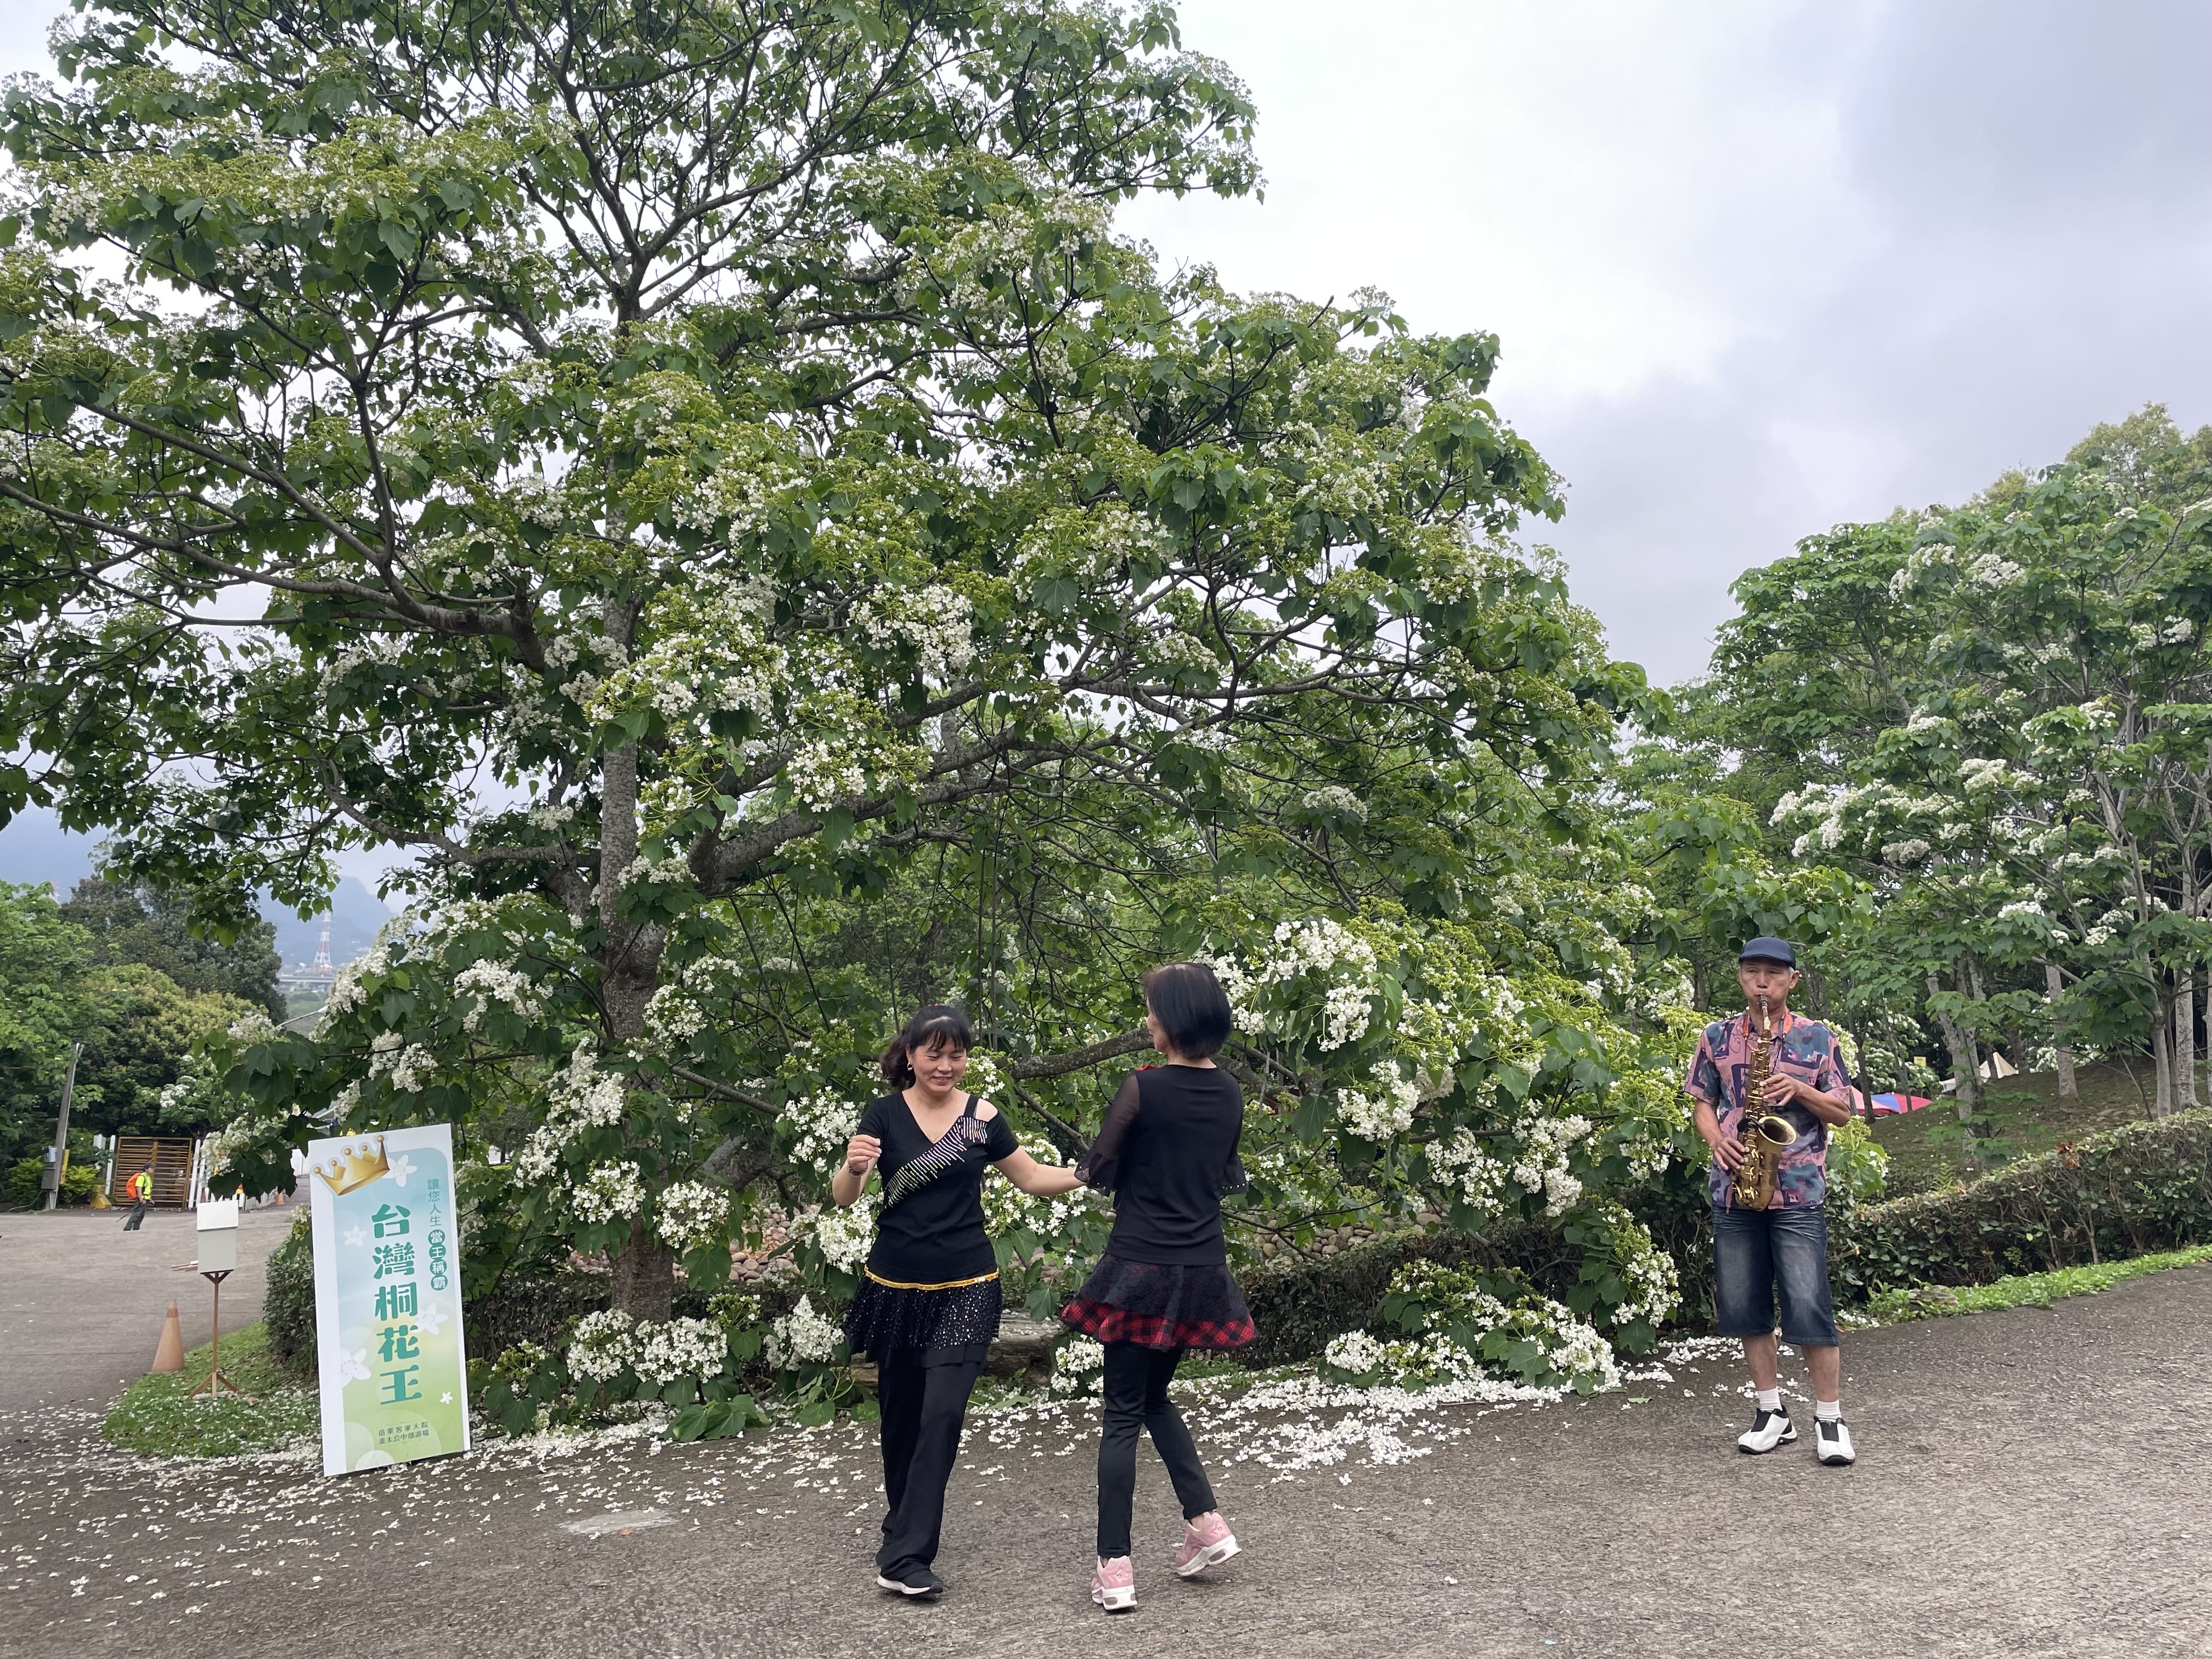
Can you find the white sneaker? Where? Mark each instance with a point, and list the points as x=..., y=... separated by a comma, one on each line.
x=1767, y=1431
x=1833, y=1442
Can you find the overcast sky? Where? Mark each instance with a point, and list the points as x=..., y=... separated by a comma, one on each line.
x=1757, y=267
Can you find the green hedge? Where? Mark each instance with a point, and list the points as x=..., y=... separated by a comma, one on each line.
x=288, y=1305
x=2124, y=1193
x=1299, y=1307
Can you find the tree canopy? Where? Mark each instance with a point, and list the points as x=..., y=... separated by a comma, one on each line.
x=713, y=484
x=1997, y=718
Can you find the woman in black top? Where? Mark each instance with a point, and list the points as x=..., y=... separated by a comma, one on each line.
x=1167, y=1151
x=928, y=1303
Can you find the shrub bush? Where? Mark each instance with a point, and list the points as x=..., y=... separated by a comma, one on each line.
x=2124, y=1193
x=1298, y=1309
x=288, y=1305
x=79, y=1182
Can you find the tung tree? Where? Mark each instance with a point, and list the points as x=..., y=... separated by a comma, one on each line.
x=708, y=480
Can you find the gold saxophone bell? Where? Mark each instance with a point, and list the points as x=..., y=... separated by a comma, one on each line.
x=1775, y=1130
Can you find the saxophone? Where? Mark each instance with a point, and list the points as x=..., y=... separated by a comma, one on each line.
x=1763, y=1134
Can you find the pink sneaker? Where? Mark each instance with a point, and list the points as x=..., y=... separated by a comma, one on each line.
x=1114, y=1586
x=1207, y=1542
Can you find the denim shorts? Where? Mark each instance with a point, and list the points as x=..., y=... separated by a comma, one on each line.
x=1761, y=1254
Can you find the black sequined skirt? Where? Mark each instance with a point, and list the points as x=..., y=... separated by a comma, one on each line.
x=1160, y=1305
x=950, y=1326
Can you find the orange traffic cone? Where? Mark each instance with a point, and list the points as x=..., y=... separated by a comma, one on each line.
x=169, y=1356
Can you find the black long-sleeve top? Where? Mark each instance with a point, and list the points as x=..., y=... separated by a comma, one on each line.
x=1167, y=1152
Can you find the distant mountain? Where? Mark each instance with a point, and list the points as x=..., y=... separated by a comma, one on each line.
x=35, y=849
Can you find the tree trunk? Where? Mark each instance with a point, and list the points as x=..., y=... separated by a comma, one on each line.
x=2184, y=1043
x=2052, y=986
x=645, y=1275
x=1965, y=1069
x=2161, y=1061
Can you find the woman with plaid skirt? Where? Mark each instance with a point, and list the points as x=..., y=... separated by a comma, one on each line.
x=1167, y=1152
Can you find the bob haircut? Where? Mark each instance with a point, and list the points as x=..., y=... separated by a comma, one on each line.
x=935, y=1026
x=1191, y=1006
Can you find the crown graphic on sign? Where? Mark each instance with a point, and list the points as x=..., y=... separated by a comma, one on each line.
x=354, y=1167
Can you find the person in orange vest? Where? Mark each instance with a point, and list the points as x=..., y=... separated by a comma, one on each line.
x=140, y=1191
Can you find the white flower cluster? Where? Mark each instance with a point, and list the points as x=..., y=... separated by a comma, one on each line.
x=1541, y=1165
x=608, y=1190
x=679, y=1347
x=1336, y=801
x=1462, y=1163
x=581, y=1096
x=1007, y=1208
x=1990, y=570
x=935, y=622
x=599, y=1347
x=842, y=1236
x=1387, y=1112
x=1456, y=1314
x=1317, y=946
x=710, y=652
x=487, y=982
x=646, y=870
x=820, y=776
x=802, y=1337
x=349, y=990
x=1653, y=1281
x=605, y=1344
x=410, y=1065
x=1902, y=853
x=818, y=1125
x=689, y=1213
x=251, y=1027
x=223, y=1145
x=1079, y=1367
x=1356, y=1352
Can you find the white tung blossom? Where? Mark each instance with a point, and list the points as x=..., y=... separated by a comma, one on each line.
x=1387, y=1111
x=842, y=1236
x=689, y=1213
x=608, y=1191
x=581, y=1096
x=802, y=1337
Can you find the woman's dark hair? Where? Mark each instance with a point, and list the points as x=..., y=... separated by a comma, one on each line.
x=935, y=1026
x=1191, y=1006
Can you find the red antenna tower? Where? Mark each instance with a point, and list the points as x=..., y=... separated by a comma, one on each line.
x=322, y=963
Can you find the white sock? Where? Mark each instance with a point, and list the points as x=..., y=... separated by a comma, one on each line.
x=1827, y=1411
x=1770, y=1399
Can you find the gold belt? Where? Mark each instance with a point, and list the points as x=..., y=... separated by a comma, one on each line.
x=949, y=1284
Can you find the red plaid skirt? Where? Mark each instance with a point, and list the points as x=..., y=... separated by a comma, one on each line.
x=1160, y=1305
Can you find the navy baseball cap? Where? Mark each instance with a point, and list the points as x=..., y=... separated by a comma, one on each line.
x=1765, y=948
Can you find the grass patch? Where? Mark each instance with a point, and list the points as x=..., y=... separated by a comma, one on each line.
x=2025, y=1116
x=2024, y=1290
x=159, y=1416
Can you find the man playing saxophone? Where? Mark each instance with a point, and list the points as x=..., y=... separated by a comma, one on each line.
x=1767, y=1083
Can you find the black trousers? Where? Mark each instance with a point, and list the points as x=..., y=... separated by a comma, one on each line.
x=1137, y=1380
x=137, y=1217
x=924, y=1407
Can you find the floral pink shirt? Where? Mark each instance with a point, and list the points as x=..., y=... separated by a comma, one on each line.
x=1802, y=1048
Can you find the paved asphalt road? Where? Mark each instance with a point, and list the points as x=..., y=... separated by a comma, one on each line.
x=2033, y=1483
x=81, y=1301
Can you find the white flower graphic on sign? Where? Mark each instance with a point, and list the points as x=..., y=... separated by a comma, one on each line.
x=353, y=1366
x=354, y=1238
x=402, y=1167
x=429, y=1319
